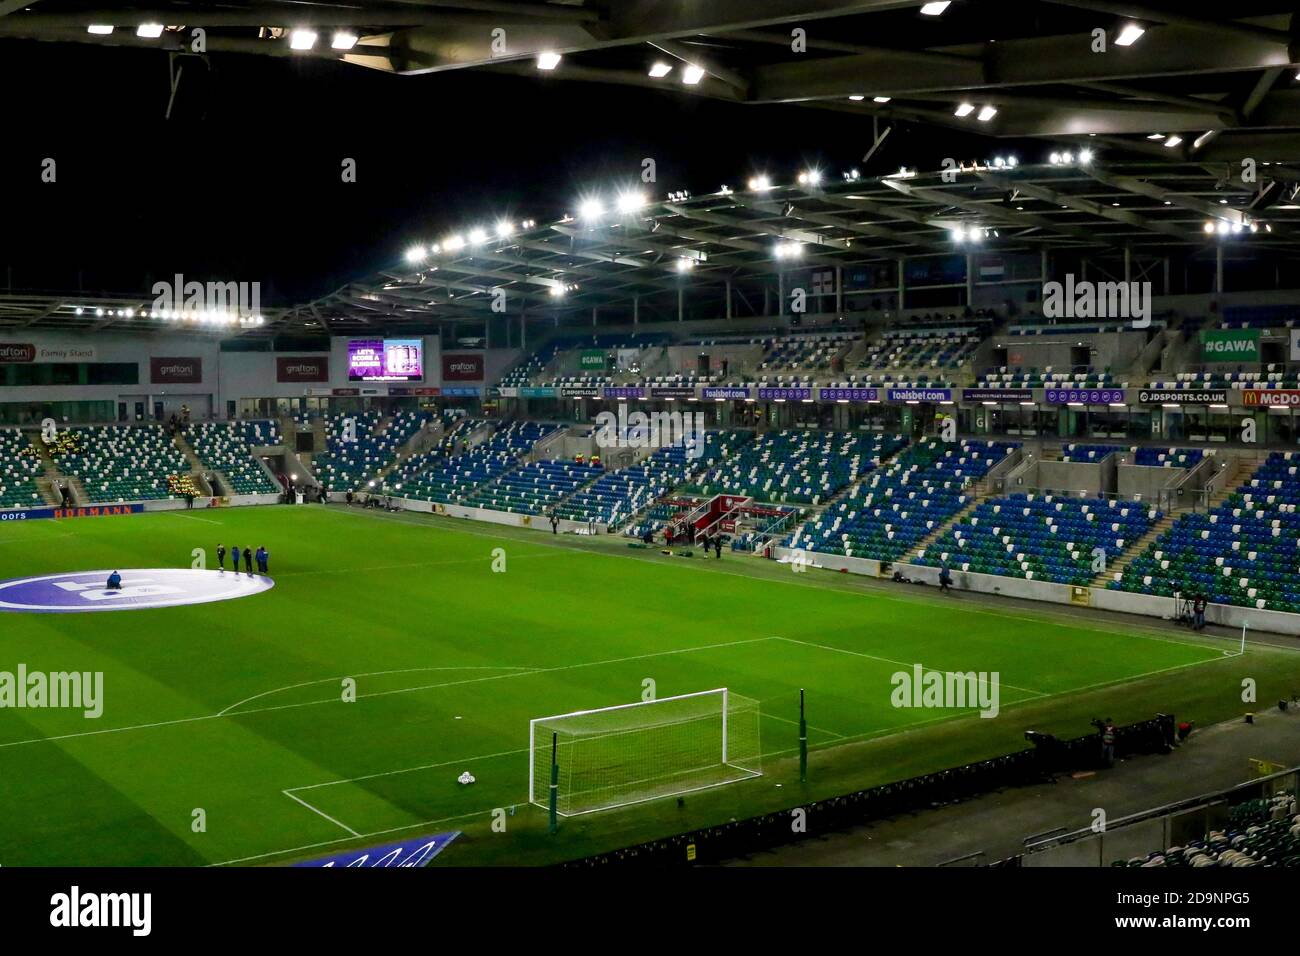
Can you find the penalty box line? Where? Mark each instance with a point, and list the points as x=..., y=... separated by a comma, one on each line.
x=530, y=672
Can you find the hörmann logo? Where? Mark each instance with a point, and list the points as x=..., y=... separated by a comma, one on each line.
x=1098, y=300
x=17, y=353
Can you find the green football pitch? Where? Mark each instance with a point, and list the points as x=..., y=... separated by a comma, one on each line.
x=233, y=713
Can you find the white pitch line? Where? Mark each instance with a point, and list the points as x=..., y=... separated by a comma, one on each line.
x=404, y=690
x=182, y=514
x=393, y=773
x=882, y=733
x=320, y=812
x=886, y=660
x=863, y=588
x=407, y=670
x=787, y=720
x=363, y=836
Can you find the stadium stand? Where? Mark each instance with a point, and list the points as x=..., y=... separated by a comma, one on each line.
x=347, y=465
x=412, y=465
x=533, y=488
x=19, y=469
x=1142, y=455
x=118, y=463
x=453, y=479
x=228, y=447
x=922, y=348
x=1272, y=376
x=618, y=495
x=809, y=351
x=1040, y=537
x=807, y=467
x=1260, y=317
x=1261, y=832
x=900, y=504
x=1080, y=377
x=1242, y=552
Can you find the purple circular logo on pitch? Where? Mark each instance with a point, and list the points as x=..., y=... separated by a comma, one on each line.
x=82, y=591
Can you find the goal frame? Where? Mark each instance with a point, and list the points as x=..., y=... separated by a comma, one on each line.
x=542, y=801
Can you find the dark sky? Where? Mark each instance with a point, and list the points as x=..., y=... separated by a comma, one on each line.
x=243, y=183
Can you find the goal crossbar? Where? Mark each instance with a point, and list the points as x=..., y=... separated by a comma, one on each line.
x=614, y=756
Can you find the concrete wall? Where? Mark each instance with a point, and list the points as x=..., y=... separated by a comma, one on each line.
x=1073, y=477
x=1116, y=350
x=1125, y=602
x=226, y=376
x=1145, y=482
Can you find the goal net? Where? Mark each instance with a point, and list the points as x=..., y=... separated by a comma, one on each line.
x=617, y=756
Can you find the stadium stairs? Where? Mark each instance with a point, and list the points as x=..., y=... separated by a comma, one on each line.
x=76, y=490
x=51, y=474
x=978, y=492
x=1238, y=472
x=45, y=485
x=421, y=441
x=199, y=472
x=1139, y=547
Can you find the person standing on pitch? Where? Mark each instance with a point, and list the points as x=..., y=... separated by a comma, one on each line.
x=234, y=558
x=248, y=560
x=263, y=556
x=221, y=556
x=717, y=546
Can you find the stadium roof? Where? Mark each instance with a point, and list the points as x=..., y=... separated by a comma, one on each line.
x=1219, y=75
x=1167, y=115
x=613, y=248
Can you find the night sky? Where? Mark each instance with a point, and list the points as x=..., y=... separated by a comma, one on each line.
x=243, y=183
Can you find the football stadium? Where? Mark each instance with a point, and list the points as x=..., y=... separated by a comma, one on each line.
x=621, y=436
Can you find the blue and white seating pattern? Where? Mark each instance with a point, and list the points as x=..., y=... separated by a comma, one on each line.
x=19, y=469
x=1041, y=537
x=894, y=507
x=1242, y=553
x=228, y=447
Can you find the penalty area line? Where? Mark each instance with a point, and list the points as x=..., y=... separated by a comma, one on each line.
x=319, y=812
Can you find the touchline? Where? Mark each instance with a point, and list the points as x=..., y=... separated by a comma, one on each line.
x=75, y=690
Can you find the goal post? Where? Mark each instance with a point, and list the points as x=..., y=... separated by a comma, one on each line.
x=630, y=753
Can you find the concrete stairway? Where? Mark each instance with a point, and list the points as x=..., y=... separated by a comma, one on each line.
x=942, y=529
x=45, y=485
x=1133, y=550
x=186, y=449
x=76, y=490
